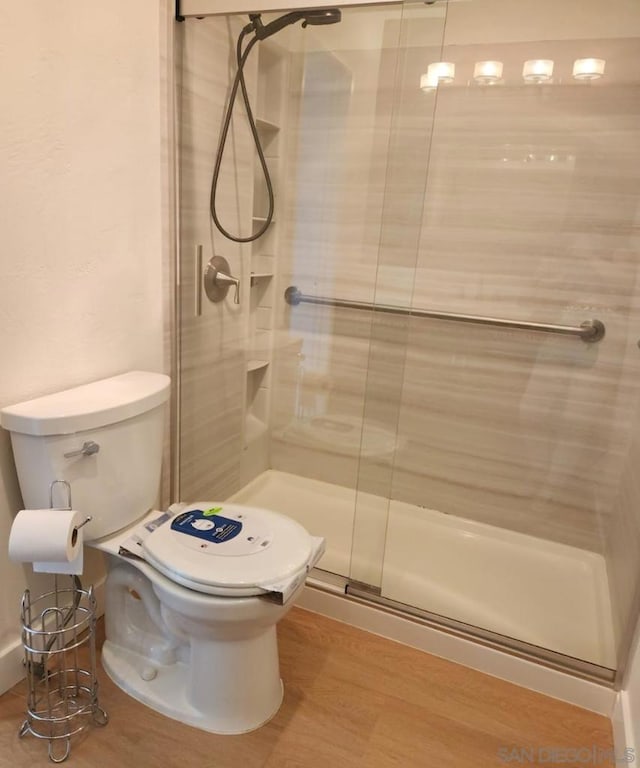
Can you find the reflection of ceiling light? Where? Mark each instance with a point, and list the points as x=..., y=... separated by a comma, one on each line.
x=487, y=72
x=588, y=69
x=428, y=82
x=537, y=70
x=437, y=72
x=442, y=71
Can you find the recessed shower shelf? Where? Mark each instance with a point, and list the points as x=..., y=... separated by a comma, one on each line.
x=257, y=276
x=256, y=365
x=266, y=125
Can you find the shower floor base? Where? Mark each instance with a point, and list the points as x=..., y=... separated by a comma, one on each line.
x=536, y=591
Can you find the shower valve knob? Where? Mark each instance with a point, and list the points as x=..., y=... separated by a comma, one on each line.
x=217, y=280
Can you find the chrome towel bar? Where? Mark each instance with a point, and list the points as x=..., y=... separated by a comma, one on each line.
x=589, y=331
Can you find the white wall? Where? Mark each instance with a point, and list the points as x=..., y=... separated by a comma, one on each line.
x=80, y=224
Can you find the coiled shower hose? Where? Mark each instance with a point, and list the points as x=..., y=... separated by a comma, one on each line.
x=241, y=59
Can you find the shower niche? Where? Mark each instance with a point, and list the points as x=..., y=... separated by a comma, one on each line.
x=270, y=119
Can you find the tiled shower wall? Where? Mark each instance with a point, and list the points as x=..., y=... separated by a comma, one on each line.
x=212, y=359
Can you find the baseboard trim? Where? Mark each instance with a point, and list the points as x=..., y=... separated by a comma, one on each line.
x=12, y=656
x=625, y=736
x=550, y=682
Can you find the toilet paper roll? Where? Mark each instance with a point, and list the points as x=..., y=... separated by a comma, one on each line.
x=50, y=539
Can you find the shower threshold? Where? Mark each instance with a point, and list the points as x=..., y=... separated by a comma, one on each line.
x=537, y=599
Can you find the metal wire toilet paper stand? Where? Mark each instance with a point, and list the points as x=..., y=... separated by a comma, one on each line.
x=59, y=640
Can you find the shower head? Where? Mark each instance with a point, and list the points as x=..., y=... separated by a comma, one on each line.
x=315, y=18
x=326, y=16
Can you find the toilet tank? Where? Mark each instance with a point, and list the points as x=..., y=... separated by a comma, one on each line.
x=124, y=416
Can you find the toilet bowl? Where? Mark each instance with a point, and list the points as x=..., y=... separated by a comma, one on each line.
x=193, y=595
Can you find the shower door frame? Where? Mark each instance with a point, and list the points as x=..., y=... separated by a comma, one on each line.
x=200, y=8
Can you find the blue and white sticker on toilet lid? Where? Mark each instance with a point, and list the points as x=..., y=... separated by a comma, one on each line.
x=216, y=532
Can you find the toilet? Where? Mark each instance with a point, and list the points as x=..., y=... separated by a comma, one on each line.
x=194, y=593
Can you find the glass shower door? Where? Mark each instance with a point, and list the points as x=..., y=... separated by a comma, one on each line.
x=507, y=192
x=411, y=100
x=341, y=100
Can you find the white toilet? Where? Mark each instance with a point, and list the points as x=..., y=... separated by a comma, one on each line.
x=192, y=595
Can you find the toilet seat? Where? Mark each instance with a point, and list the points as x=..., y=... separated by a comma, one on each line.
x=229, y=549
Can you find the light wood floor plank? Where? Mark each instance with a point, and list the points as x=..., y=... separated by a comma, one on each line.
x=352, y=700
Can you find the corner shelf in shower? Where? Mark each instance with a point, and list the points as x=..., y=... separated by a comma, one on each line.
x=269, y=133
x=256, y=365
x=257, y=276
x=262, y=124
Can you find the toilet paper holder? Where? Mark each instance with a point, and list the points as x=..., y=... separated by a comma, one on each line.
x=74, y=535
x=58, y=626
x=67, y=487
x=58, y=631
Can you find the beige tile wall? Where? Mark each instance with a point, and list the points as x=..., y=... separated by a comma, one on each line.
x=213, y=344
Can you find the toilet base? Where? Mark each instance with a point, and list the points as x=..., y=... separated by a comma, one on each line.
x=166, y=691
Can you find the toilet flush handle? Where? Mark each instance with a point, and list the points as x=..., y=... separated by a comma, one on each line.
x=88, y=449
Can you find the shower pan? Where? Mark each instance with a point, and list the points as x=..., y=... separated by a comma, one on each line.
x=434, y=361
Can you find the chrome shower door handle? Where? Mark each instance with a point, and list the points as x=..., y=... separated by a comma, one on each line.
x=217, y=280
x=197, y=293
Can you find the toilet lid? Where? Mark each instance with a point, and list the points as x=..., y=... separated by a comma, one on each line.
x=228, y=549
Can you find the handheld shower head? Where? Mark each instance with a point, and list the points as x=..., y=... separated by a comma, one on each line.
x=315, y=18
x=326, y=16
x=260, y=32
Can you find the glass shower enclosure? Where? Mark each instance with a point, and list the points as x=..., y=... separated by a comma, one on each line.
x=434, y=360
